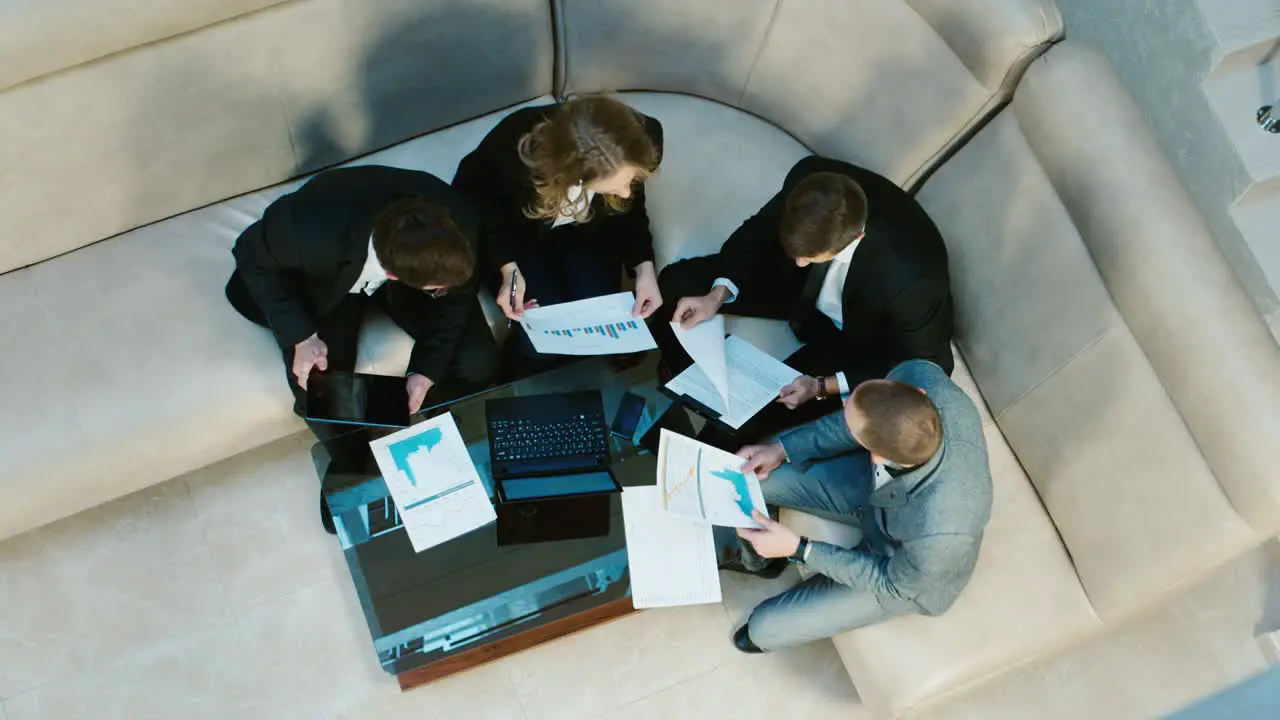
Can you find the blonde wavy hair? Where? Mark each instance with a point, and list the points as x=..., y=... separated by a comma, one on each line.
x=587, y=138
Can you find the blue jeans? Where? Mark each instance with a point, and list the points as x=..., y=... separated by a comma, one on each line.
x=836, y=489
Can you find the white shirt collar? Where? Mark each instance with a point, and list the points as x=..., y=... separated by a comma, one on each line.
x=846, y=255
x=372, y=275
x=577, y=199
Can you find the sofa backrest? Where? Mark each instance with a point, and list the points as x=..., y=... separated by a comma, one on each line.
x=891, y=85
x=113, y=115
x=1120, y=358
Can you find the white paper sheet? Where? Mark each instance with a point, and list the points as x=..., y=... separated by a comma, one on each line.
x=596, y=326
x=672, y=559
x=433, y=482
x=706, y=483
x=705, y=345
x=755, y=377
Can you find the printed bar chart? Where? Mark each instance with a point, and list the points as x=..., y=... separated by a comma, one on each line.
x=596, y=326
x=613, y=330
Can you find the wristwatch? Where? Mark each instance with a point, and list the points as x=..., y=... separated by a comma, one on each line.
x=802, y=550
x=822, y=388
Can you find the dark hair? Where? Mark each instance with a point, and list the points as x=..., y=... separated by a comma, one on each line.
x=417, y=241
x=582, y=140
x=900, y=423
x=824, y=213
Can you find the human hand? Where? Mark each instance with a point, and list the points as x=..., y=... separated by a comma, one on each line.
x=513, y=311
x=308, y=354
x=762, y=459
x=417, y=385
x=773, y=540
x=648, y=297
x=799, y=391
x=693, y=311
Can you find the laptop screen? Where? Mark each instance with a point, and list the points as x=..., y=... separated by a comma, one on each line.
x=557, y=485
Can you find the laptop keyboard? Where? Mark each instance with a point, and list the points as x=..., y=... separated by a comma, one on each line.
x=521, y=439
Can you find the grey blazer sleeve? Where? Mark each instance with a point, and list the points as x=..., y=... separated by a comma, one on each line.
x=823, y=438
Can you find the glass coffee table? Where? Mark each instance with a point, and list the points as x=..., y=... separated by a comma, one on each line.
x=471, y=600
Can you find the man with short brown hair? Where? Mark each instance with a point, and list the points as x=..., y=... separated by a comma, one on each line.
x=849, y=259
x=400, y=240
x=905, y=463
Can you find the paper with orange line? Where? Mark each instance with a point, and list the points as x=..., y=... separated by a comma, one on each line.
x=706, y=483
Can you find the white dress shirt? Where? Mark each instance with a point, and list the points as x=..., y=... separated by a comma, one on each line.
x=830, y=297
x=576, y=201
x=372, y=276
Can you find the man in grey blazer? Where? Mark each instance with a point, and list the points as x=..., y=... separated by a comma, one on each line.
x=905, y=462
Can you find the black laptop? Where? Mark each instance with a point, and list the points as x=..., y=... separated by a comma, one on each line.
x=552, y=434
x=549, y=455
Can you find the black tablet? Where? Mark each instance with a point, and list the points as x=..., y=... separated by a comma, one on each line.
x=357, y=399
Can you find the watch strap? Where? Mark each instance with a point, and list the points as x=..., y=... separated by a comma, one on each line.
x=801, y=550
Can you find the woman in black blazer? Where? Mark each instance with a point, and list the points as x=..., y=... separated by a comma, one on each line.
x=561, y=189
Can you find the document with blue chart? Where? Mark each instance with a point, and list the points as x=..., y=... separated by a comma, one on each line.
x=596, y=326
x=433, y=482
x=706, y=483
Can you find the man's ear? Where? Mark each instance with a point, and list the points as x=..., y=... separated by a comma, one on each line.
x=392, y=276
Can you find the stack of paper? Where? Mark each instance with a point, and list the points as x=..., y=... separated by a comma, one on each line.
x=668, y=527
x=730, y=376
x=433, y=482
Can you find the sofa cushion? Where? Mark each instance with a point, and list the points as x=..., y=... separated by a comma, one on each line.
x=995, y=39
x=719, y=166
x=1215, y=357
x=870, y=81
x=701, y=47
x=130, y=368
x=1078, y=400
x=38, y=38
x=169, y=126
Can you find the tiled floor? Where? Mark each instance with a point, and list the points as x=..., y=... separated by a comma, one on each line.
x=218, y=596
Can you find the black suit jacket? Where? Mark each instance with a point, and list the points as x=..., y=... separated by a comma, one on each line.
x=897, y=296
x=495, y=179
x=313, y=245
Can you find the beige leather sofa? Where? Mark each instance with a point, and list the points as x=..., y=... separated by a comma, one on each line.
x=1132, y=390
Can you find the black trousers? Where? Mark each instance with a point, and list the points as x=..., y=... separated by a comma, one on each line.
x=472, y=368
x=564, y=265
x=822, y=355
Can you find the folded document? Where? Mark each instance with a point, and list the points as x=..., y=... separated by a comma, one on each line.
x=729, y=376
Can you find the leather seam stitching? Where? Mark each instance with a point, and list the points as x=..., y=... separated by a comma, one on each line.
x=1057, y=371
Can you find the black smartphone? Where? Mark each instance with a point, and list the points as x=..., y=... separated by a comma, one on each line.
x=627, y=419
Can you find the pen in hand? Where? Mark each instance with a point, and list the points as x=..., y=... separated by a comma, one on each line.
x=511, y=300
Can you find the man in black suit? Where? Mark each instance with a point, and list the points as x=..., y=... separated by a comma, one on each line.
x=401, y=240
x=850, y=260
